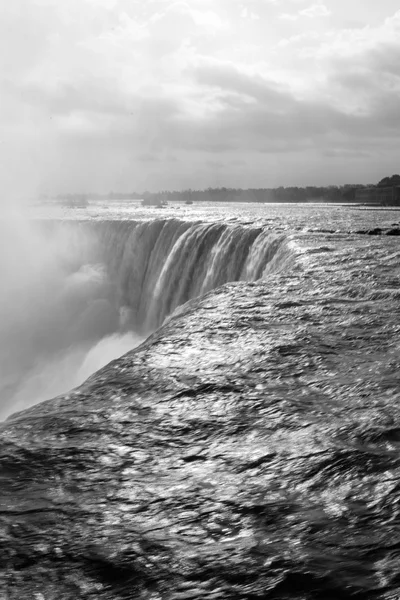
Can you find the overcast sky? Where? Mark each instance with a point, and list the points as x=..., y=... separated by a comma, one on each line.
x=152, y=94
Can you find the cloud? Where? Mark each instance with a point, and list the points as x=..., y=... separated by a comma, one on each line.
x=288, y=17
x=100, y=94
x=227, y=77
x=315, y=10
x=368, y=53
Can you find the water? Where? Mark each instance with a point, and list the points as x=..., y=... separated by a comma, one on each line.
x=249, y=448
x=78, y=293
x=76, y=281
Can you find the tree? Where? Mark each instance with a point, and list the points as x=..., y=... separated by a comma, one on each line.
x=386, y=181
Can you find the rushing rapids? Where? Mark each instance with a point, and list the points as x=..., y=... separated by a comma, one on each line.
x=247, y=450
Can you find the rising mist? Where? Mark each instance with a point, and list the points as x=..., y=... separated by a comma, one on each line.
x=59, y=316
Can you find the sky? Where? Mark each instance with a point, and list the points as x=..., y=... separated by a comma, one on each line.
x=100, y=95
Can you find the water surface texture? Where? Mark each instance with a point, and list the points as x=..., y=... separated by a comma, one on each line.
x=248, y=447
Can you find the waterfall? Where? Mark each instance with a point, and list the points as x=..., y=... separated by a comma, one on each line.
x=77, y=294
x=158, y=265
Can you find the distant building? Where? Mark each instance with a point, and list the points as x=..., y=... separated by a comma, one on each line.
x=381, y=196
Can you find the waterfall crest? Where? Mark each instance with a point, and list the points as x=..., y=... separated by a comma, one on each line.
x=77, y=294
x=158, y=265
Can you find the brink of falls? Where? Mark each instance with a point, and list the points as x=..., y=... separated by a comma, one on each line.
x=248, y=449
x=159, y=265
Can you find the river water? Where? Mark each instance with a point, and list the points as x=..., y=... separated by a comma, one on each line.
x=97, y=281
x=249, y=448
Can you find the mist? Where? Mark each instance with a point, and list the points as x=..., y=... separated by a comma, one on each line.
x=60, y=317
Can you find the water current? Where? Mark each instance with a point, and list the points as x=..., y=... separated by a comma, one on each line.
x=249, y=447
x=81, y=287
x=79, y=293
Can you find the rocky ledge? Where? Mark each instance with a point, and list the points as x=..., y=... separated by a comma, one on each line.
x=249, y=449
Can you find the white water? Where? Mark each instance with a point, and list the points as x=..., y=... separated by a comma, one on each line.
x=59, y=319
x=76, y=295
x=158, y=265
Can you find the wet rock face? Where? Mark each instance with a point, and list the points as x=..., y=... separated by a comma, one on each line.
x=248, y=450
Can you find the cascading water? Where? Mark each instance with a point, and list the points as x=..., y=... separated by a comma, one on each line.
x=78, y=294
x=157, y=266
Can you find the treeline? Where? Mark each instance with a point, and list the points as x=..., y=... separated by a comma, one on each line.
x=331, y=193
x=281, y=194
x=223, y=194
x=388, y=181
